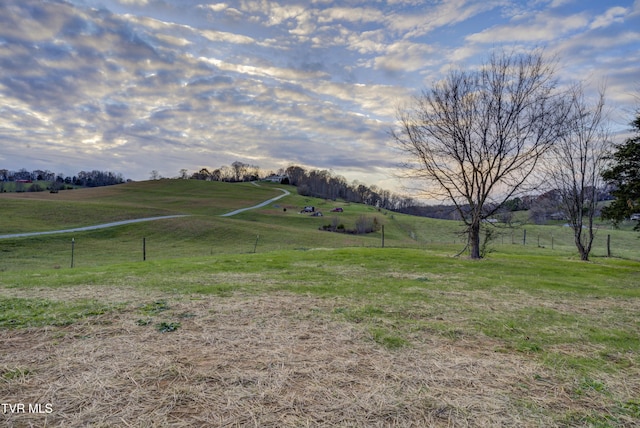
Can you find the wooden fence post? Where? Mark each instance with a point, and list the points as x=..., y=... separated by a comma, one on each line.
x=73, y=244
x=256, y=244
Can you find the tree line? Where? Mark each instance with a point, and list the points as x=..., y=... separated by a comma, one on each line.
x=309, y=182
x=235, y=173
x=324, y=184
x=57, y=181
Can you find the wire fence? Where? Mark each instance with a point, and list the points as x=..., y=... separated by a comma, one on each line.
x=64, y=251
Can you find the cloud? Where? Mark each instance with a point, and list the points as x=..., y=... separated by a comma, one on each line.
x=404, y=56
x=542, y=27
x=133, y=86
x=351, y=14
x=430, y=17
x=613, y=15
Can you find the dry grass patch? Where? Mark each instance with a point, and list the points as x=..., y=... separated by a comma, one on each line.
x=277, y=360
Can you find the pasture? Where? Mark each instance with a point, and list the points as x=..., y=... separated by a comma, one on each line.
x=313, y=328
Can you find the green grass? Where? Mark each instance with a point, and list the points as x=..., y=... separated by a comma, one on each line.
x=209, y=254
x=28, y=212
x=579, y=320
x=36, y=312
x=205, y=233
x=525, y=305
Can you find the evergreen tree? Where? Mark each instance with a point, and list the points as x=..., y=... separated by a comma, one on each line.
x=624, y=176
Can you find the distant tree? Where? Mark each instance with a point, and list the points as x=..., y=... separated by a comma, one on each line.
x=252, y=173
x=239, y=170
x=226, y=173
x=216, y=175
x=514, y=204
x=576, y=164
x=22, y=174
x=97, y=178
x=38, y=174
x=545, y=207
x=203, y=174
x=154, y=175
x=624, y=176
x=296, y=174
x=476, y=137
x=183, y=174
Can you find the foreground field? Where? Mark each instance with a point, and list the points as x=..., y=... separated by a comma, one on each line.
x=264, y=320
x=346, y=337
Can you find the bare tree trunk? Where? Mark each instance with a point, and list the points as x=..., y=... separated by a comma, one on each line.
x=474, y=240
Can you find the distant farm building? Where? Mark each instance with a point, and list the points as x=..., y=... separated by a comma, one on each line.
x=276, y=178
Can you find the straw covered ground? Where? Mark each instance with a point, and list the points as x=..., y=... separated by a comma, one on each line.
x=272, y=360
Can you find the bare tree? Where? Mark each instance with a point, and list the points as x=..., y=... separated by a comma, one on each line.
x=576, y=164
x=203, y=174
x=239, y=170
x=477, y=136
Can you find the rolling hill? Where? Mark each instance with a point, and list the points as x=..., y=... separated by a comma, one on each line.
x=278, y=226
x=262, y=319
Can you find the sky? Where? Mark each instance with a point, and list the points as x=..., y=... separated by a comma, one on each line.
x=132, y=86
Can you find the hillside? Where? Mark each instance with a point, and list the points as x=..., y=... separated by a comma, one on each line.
x=278, y=226
x=262, y=319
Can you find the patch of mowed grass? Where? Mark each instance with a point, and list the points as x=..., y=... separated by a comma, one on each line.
x=18, y=312
x=530, y=303
x=578, y=320
x=14, y=374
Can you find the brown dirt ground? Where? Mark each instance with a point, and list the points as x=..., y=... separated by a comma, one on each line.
x=268, y=361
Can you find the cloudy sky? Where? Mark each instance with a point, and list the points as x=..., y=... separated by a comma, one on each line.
x=132, y=86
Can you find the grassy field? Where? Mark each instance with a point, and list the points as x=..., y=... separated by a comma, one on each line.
x=278, y=226
x=314, y=328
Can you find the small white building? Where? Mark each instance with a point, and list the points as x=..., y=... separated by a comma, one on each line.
x=275, y=178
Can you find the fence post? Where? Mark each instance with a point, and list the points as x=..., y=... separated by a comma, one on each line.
x=383, y=236
x=256, y=244
x=144, y=249
x=524, y=237
x=608, y=245
x=73, y=244
x=552, y=241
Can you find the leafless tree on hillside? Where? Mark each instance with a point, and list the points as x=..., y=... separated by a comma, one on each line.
x=476, y=137
x=576, y=165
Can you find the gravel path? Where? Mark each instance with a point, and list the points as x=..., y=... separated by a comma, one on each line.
x=285, y=193
x=85, y=228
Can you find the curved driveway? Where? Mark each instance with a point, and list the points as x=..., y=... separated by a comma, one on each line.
x=138, y=220
x=85, y=228
x=285, y=193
